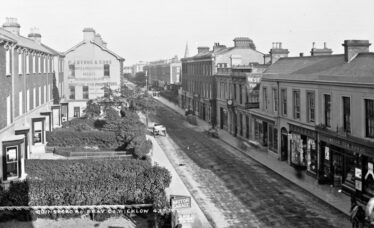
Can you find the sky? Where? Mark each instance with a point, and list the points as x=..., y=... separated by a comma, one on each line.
x=149, y=30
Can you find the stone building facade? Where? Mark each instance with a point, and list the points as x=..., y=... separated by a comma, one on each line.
x=322, y=108
x=198, y=74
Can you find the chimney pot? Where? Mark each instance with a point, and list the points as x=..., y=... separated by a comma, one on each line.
x=301, y=54
x=324, y=45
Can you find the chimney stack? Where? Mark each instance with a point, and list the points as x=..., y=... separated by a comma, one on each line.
x=88, y=34
x=202, y=49
x=35, y=35
x=320, y=51
x=354, y=47
x=12, y=25
x=244, y=42
x=218, y=46
x=277, y=52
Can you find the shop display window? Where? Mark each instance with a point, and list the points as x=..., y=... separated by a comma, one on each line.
x=311, y=156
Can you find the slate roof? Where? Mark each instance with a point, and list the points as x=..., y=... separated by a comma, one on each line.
x=100, y=46
x=26, y=42
x=332, y=68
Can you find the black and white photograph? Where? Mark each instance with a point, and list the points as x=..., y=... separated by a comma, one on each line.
x=186, y=114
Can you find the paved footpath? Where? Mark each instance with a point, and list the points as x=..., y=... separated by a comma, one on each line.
x=331, y=195
x=177, y=186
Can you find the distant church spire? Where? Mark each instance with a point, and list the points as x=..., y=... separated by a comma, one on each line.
x=186, y=52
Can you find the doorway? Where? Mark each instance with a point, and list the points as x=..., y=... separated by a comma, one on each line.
x=284, y=144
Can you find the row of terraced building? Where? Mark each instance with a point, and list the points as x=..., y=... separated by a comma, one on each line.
x=33, y=78
x=315, y=112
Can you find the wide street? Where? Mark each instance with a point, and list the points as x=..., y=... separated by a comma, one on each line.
x=224, y=182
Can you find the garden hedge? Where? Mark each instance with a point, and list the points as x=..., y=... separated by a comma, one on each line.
x=68, y=138
x=89, y=182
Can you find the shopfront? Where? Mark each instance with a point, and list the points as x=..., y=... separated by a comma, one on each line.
x=266, y=133
x=303, y=149
x=347, y=163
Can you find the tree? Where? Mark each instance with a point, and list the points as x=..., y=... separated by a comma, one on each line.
x=140, y=79
x=92, y=109
x=55, y=93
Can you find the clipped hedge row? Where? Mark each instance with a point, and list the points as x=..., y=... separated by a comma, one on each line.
x=89, y=182
x=71, y=138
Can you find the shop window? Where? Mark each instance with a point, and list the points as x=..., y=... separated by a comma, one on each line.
x=327, y=99
x=310, y=96
x=72, y=92
x=106, y=70
x=71, y=70
x=296, y=104
x=275, y=143
x=284, y=101
x=311, y=151
x=347, y=114
x=298, y=155
x=369, y=176
x=85, y=92
x=369, y=117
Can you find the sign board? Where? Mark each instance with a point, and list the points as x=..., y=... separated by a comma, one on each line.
x=327, y=153
x=180, y=202
x=358, y=173
x=358, y=185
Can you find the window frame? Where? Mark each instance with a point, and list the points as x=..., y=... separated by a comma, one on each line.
x=369, y=123
x=284, y=101
x=296, y=113
x=327, y=114
x=311, y=94
x=346, y=124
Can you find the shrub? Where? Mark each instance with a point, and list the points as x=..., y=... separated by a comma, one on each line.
x=142, y=149
x=64, y=138
x=82, y=124
x=88, y=182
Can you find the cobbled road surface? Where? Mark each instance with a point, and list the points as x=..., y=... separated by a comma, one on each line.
x=245, y=192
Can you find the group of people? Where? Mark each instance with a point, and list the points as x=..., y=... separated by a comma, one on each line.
x=359, y=215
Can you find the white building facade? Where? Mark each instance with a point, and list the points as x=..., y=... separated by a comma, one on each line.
x=90, y=67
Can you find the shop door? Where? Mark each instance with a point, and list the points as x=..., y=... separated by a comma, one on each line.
x=203, y=111
x=338, y=165
x=265, y=134
x=222, y=118
x=284, y=145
